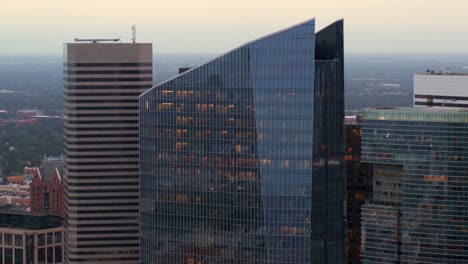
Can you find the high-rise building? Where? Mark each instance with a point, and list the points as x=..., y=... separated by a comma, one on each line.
x=46, y=188
x=420, y=191
x=441, y=89
x=102, y=83
x=242, y=158
x=358, y=187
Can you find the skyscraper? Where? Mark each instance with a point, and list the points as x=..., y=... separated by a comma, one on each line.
x=358, y=187
x=439, y=89
x=420, y=193
x=241, y=159
x=102, y=82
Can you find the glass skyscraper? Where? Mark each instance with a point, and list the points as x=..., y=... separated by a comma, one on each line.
x=358, y=187
x=242, y=157
x=418, y=213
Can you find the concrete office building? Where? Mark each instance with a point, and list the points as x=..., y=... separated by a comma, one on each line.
x=441, y=89
x=102, y=82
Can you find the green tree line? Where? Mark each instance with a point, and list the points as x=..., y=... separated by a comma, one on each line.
x=25, y=145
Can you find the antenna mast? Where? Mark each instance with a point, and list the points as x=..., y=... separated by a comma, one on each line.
x=134, y=33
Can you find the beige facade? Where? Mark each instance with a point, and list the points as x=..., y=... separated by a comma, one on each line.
x=102, y=82
x=31, y=246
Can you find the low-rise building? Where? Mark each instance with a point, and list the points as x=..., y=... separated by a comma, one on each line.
x=31, y=239
x=46, y=188
x=14, y=196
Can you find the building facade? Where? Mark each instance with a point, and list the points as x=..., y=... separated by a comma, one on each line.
x=442, y=89
x=420, y=195
x=358, y=187
x=102, y=82
x=31, y=239
x=46, y=188
x=237, y=161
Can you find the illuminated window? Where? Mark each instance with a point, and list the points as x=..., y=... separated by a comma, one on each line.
x=164, y=106
x=181, y=145
x=166, y=92
x=238, y=148
x=292, y=230
x=435, y=178
x=181, y=198
x=181, y=132
x=247, y=175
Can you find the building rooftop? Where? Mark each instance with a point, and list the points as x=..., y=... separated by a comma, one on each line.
x=419, y=109
x=422, y=114
x=48, y=166
x=26, y=221
x=353, y=120
x=444, y=72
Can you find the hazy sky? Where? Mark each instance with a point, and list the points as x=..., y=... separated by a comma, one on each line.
x=214, y=26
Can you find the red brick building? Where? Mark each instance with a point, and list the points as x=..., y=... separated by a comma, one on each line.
x=46, y=188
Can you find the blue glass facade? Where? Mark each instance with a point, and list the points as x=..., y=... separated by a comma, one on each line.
x=419, y=214
x=228, y=172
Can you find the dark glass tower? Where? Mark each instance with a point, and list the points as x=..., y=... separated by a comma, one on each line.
x=229, y=171
x=358, y=188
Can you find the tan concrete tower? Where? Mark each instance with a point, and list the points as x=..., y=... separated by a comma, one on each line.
x=102, y=82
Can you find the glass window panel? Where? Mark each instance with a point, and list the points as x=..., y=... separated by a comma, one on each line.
x=18, y=240
x=41, y=239
x=8, y=239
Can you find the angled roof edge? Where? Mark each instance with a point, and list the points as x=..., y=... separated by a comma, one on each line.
x=341, y=20
x=231, y=50
x=329, y=42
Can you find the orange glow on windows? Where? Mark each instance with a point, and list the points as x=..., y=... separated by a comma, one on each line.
x=359, y=196
x=247, y=175
x=164, y=106
x=435, y=178
x=181, y=132
x=184, y=94
x=183, y=120
x=181, y=198
x=292, y=230
x=238, y=148
x=181, y=145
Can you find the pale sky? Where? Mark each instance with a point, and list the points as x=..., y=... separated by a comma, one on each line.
x=215, y=26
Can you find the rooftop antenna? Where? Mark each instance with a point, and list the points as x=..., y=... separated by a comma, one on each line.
x=134, y=33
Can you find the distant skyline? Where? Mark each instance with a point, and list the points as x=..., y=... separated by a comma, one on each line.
x=209, y=26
